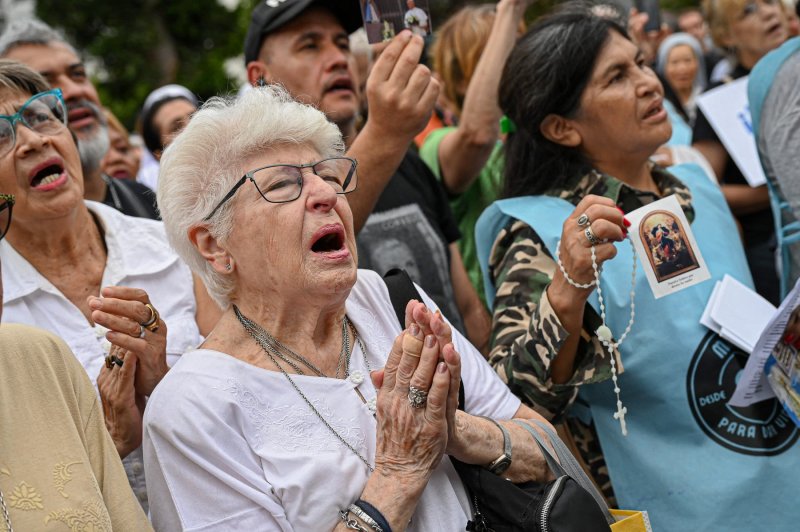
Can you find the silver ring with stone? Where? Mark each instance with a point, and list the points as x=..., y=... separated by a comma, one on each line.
x=583, y=220
x=590, y=236
x=417, y=397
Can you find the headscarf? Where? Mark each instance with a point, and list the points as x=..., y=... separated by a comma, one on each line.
x=677, y=39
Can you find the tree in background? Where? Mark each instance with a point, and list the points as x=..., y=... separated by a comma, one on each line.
x=139, y=45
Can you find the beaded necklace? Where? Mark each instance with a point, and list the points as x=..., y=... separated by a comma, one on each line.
x=604, y=332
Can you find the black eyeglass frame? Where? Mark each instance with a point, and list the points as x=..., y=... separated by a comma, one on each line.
x=7, y=203
x=249, y=176
x=17, y=117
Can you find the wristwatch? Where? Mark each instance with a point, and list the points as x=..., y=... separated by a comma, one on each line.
x=499, y=465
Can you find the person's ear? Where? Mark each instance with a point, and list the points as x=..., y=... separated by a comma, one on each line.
x=560, y=130
x=210, y=248
x=258, y=74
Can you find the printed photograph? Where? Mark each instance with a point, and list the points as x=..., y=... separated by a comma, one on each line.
x=383, y=19
x=667, y=247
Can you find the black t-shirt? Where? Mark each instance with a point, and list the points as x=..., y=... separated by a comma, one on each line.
x=131, y=198
x=411, y=227
x=758, y=227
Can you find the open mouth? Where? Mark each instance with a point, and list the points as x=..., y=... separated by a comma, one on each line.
x=47, y=175
x=328, y=239
x=340, y=84
x=774, y=28
x=654, y=111
x=80, y=116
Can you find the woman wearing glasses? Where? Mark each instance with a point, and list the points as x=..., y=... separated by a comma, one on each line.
x=62, y=250
x=307, y=407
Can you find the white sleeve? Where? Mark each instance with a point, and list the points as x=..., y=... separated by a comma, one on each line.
x=484, y=393
x=201, y=473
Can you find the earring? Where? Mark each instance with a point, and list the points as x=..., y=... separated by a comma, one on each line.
x=228, y=266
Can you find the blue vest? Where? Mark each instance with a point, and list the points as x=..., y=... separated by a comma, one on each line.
x=690, y=460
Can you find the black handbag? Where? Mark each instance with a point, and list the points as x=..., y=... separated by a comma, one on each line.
x=569, y=503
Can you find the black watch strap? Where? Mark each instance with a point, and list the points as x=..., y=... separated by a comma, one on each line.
x=502, y=462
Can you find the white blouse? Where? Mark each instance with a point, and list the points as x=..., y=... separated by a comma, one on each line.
x=229, y=446
x=138, y=256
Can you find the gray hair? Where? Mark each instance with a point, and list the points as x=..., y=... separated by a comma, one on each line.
x=17, y=77
x=205, y=160
x=30, y=31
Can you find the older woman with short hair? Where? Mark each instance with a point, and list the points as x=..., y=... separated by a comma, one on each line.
x=274, y=423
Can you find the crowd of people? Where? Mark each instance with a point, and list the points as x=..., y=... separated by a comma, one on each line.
x=196, y=333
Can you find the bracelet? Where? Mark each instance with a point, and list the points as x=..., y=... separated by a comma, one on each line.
x=374, y=514
x=351, y=524
x=358, y=512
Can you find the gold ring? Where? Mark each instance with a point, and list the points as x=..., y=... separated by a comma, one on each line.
x=109, y=362
x=151, y=324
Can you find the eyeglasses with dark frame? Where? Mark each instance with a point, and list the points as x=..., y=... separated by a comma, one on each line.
x=6, y=202
x=282, y=183
x=44, y=113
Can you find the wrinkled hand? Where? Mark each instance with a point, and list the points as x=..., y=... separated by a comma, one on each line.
x=122, y=406
x=411, y=441
x=607, y=224
x=122, y=310
x=401, y=92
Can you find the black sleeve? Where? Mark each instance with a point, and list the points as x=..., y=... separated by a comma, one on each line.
x=702, y=129
x=435, y=195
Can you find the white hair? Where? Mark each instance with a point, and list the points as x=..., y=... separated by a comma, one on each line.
x=205, y=160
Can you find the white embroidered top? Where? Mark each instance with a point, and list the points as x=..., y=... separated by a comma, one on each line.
x=138, y=256
x=229, y=446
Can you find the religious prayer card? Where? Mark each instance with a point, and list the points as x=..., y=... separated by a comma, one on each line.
x=383, y=19
x=666, y=247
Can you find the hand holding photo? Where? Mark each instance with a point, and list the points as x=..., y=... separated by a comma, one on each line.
x=666, y=246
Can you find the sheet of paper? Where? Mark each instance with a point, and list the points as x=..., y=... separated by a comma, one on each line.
x=666, y=246
x=741, y=313
x=753, y=386
x=728, y=112
x=706, y=319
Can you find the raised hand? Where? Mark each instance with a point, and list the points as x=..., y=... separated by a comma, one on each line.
x=122, y=406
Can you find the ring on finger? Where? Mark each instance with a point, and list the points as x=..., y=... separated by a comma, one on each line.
x=591, y=237
x=109, y=362
x=152, y=323
x=583, y=220
x=116, y=360
x=141, y=331
x=417, y=397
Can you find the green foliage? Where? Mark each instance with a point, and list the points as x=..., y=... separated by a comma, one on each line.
x=143, y=44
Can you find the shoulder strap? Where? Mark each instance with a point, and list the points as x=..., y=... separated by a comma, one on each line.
x=401, y=291
x=568, y=465
x=133, y=202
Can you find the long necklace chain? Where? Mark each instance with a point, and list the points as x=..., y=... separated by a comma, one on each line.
x=258, y=334
x=604, y=332
x=6, y=517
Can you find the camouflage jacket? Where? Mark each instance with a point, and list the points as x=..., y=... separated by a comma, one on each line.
x=526, y=333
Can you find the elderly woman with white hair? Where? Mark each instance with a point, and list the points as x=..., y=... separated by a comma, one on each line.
x=273, y=424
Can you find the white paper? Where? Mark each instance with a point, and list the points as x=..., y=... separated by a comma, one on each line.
x=728, y=112
x=741, y=313
x=753, y=386
x=706, y=318
x=666, y=246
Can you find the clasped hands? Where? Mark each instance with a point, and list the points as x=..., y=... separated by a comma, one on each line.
x=417, y=397
x=141, y=344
